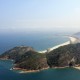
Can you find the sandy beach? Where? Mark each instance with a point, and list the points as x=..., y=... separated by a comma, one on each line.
x=71, y=41
x=77, y=68
x=55, y=47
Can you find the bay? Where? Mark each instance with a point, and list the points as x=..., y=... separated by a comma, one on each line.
x=50, y=74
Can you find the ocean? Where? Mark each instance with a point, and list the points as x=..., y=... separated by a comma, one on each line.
x=38, y=42
x=50, y=74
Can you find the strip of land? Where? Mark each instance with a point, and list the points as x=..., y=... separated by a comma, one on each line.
x=55, y=47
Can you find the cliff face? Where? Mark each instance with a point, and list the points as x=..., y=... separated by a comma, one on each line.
x=64, y=56
x=26, y=58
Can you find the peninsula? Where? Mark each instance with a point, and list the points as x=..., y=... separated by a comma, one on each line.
x=29, y=60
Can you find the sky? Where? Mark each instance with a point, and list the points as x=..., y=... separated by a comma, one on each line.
x=39, y=15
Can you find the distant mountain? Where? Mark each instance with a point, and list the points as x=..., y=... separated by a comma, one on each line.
x=78, y=33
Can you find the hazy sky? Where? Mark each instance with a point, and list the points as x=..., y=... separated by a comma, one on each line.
x=39, y=15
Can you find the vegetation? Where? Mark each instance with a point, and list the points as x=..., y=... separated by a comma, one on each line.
x=28, y=58
x=32, y=61
x=16, y=52
x=64, y=56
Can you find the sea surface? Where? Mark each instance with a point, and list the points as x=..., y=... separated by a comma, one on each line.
x=38, y=42
x=49, y=74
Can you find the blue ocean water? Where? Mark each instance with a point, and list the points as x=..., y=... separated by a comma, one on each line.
x=38, y=42
x=50, y=74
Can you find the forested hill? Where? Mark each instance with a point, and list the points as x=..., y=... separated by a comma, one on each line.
x=28, y=58
x=68, y=55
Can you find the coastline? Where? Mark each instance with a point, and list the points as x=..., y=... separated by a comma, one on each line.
x=60, y=67
x=28, y=71
x=72, y=40
x=55, y=47
x=77, y=68
x=22, y=71
x=50, y=49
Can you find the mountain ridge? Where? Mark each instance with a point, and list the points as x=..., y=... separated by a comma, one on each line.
x=29, y=59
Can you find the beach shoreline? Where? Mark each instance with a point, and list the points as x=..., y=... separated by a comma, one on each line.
x=28, y=71
x=22, y=71
x=77, y=68
x=72, y=40
x=55, y=47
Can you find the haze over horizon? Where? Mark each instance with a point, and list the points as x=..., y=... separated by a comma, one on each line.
x=39, y=15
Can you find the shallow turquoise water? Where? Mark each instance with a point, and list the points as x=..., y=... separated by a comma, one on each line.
x=50, y=74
